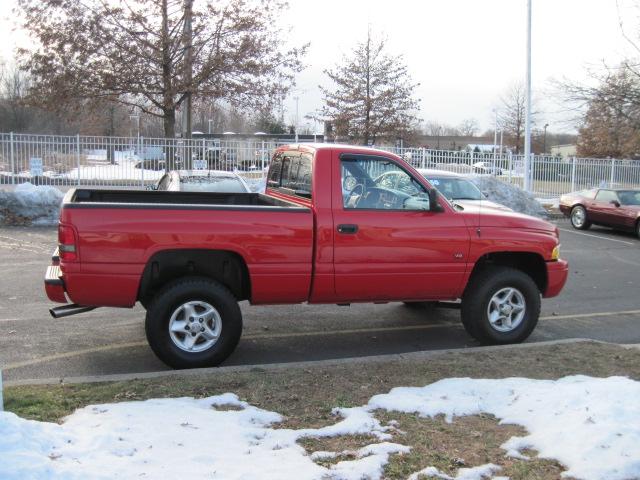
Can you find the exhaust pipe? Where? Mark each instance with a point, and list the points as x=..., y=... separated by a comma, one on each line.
x=68, y=310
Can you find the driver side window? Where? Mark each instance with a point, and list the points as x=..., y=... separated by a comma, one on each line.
x=377, y=183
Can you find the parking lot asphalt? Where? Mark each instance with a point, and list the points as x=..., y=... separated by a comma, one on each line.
x=601, y=301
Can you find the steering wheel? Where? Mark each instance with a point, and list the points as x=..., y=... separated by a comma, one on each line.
x=358, y=193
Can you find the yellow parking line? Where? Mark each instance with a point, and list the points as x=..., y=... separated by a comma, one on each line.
x=256, y=336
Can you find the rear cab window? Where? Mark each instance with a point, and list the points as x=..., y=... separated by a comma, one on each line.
x=291, y=174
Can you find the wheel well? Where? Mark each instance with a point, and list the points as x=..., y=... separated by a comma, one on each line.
x=226, y=267
x=531, y=264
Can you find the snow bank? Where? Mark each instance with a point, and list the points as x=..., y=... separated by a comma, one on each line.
x=590, y=425
x=176, y=438
x=509, y=195
x=30, y=205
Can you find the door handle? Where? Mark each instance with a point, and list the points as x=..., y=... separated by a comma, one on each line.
x=347, y=228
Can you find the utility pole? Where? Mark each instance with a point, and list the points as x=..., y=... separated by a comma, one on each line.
x=296, y=98
x=188, y=67
x=527, y=124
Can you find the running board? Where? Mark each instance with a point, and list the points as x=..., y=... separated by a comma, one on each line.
x=68, y=310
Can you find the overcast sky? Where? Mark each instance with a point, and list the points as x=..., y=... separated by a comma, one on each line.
x=464, y=53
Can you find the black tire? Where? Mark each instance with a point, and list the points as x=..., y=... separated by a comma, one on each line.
x=575, y=215
x=172, y=297
x=475, y=302
x=638, y=228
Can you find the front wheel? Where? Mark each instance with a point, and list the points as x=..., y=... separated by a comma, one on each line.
x=193, y=322
x=501, y=306
x=579, y=218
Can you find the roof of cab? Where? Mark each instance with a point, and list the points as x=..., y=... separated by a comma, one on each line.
x=336, y=146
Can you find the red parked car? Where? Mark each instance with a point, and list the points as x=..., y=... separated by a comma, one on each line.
x=324, y=232
x=619, y=209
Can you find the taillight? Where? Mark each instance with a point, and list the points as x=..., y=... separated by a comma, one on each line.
x=67, y=243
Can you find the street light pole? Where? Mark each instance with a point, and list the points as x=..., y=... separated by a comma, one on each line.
x=527, y=127
x=544, y=139
x=495, y=132
x=188, y=66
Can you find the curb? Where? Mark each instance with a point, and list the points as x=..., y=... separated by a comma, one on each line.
x=421, y=355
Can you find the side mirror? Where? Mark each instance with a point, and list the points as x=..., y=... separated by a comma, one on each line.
x=434, y=206
x=615, y=202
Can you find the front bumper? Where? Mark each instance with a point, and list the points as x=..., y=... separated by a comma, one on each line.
x=557, y=273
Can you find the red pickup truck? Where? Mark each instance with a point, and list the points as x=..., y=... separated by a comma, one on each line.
x=328, y=230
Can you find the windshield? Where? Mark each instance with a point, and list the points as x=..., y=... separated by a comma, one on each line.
x=456, y=188
x=212, y=184
x=629, y=197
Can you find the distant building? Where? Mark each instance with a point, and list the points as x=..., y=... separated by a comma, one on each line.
x=451, y=142
x=564, y=150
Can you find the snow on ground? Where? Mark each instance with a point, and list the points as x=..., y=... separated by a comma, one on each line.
x=474, y=473
x=590, y=425
x=30, y=204
x=508, y=195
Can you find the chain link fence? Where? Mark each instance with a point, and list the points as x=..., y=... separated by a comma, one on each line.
x=134, y=162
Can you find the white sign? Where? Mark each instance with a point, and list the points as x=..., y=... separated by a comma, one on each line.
x=35, y=166
x=199, y=164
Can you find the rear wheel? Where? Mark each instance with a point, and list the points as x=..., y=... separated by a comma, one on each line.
x=193, y=322
x=501, y=306
x=579, y=218
x=638, y=228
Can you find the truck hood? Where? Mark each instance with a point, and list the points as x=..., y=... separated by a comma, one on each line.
x=479, y=215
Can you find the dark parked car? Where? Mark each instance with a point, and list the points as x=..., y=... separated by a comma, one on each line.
x=618, y=209
x=202, y=181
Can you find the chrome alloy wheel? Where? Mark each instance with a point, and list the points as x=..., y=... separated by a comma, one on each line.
x=506, y=309
x=578, y=217
x=195, y=326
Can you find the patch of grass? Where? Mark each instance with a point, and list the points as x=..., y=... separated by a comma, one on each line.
x=307, y=395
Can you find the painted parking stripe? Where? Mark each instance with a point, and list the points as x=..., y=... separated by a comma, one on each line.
x=596, y=236
x=257, y=336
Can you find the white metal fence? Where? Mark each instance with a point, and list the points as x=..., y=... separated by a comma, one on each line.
x=137, y=161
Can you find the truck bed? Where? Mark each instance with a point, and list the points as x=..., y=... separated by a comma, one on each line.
x=121, y=232
x=95, y=198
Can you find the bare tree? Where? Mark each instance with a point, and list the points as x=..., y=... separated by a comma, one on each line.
x=15, y=116
x=134, y=52
x=469, y=127
x=372, y=96
x=611, y=124
x=511, y=116
x=434, y=128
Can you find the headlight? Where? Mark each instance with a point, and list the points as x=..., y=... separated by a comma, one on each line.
x=555, y=253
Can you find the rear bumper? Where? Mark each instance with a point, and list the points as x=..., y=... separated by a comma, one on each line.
x=557, y=273
x=54, y=284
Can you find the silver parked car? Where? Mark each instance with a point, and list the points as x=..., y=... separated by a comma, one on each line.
x=459, y=189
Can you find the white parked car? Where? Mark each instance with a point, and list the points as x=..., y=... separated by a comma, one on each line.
x=202, y=181
x=486, y=168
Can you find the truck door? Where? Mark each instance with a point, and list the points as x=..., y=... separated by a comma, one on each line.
x=387, y=244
